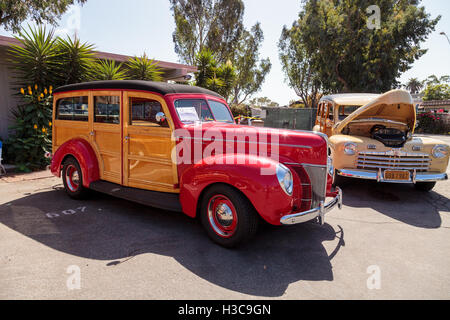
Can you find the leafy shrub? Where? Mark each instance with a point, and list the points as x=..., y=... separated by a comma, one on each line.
x=31, y=139
x=432, y=123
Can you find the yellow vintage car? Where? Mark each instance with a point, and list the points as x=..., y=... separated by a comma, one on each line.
x=371, y=137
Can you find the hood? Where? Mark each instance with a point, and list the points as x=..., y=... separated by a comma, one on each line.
x=396, y=106
x=292, y=146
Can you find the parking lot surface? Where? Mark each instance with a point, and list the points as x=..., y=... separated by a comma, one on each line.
x=389, y=242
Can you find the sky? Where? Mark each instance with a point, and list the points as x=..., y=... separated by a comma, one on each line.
x=133, y=27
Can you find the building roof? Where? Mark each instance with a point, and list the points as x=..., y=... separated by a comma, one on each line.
x=162, y=88
x=171, y=71
x=351, y=99
x=436, y=103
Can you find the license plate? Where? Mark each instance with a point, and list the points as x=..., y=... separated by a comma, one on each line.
x=396, y=175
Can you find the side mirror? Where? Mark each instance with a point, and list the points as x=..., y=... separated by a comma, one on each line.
x=160, y=117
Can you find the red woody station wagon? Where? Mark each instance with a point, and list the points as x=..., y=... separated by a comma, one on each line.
x=177, y=147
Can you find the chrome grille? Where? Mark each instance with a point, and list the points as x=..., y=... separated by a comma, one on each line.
x=394, y=160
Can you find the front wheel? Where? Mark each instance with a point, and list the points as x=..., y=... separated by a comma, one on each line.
x=228, y=216
x=425, y=186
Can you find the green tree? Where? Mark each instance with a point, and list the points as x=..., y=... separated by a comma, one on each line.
x=213, y=24
x=250, y=70
x=14, y=12
x=35, y=61
x=143, y=68
x=437, y=92
x=414, y=85
x=262, y=102
x=107, y=70
x=349, y=56
x=212, y=76
x=217, y=26
x=75, y=60
x=298, y=69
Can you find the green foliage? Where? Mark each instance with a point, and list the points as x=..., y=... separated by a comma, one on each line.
x=437, y=92
x=36, y=61
x=212, y=76
x=240, y=110
x=414, y=85
x=298, y=67
x=348, y=56
x=107, y=70
x=213, y=24
x=262, y=102
x=250, y=70
x=14, y=12
x=32, y=130
x=217, y=26
x=432, y=123
x=143, y=68
x=41, y=63
x=75, y=60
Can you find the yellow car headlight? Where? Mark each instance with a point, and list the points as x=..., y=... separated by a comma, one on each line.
x=440, y=151
x=350, y=148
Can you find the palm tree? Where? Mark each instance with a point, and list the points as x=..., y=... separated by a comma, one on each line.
x=76, y=60
x=108, y=70
x=143, y=68
x=35, y=61
x=414, y=85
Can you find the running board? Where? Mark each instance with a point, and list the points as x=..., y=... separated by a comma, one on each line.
x=160, y=200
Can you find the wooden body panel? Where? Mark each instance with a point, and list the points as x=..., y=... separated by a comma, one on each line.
x=131, y=155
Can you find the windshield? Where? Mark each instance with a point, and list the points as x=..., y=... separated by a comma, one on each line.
x=192, y=110
x=345, y=111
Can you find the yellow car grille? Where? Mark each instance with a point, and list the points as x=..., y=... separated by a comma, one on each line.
x=394, y=160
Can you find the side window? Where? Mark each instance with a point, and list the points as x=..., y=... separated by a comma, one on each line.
x=143, y=112
x=73, y=109
x=330, y=113
x=107, y=109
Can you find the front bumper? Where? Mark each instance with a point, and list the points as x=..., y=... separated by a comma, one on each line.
x=318, y=212
x=378, y=176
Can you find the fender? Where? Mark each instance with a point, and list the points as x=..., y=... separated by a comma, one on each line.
x=81, y=150
x=242, y=172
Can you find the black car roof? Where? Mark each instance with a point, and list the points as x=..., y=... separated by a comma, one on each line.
x=162, y=88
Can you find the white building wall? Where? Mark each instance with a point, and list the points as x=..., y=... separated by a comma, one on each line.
x=7, y=98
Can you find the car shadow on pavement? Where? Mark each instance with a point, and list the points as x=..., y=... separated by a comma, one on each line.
x=401, y=202
x=115, y=231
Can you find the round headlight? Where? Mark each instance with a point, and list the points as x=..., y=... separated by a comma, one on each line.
x=285, y=179
x=440, y=151
x=350, y=148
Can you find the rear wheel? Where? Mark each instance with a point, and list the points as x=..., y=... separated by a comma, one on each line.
x=425, y=186
x=73, y=179
x=228, y=216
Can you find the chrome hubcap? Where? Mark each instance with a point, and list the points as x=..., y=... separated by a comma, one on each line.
x=224, y=215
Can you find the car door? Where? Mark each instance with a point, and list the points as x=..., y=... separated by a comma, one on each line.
x=147, y=144
x=106, y=133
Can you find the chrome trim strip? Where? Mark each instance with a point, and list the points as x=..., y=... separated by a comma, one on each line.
x=394, y=153
x=240, y=141
x=378, y=176
x=370, y=166
x=318, y=212
x=395, y=159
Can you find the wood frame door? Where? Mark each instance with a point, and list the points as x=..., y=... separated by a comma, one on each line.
x=147, y=147
x=106, y=137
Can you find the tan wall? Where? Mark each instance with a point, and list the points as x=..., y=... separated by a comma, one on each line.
x=7, y=98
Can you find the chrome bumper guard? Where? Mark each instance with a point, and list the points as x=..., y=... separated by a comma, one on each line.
x=318, y=212
x=378, y=176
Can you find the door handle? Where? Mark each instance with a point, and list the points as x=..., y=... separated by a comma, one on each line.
x=92, y=133
x=127, y=138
